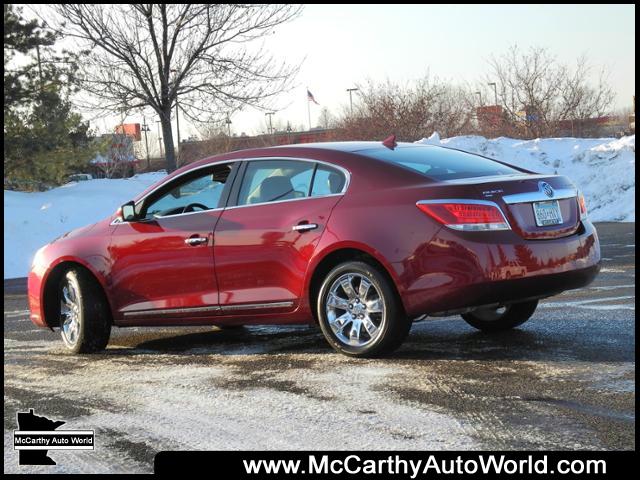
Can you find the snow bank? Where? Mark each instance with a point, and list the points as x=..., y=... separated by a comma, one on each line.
x=34, y=219
x=603, y=168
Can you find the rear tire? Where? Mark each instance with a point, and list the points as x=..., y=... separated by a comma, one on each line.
x=495, y=320
x=359, y=311
x=85, y=319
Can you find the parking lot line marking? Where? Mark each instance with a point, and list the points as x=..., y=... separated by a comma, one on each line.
x=612, y=287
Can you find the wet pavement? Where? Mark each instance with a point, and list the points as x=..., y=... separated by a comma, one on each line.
x=563, y=380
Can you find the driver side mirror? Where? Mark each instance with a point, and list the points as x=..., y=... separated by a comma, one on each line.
x=128, y=211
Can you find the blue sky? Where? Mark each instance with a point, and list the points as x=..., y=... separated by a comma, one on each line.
x=346, y=44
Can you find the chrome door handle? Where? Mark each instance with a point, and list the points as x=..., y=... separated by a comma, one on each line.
x=303, y=227
x=195, y=241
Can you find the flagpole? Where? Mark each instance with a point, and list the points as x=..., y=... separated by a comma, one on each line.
x=309, y=108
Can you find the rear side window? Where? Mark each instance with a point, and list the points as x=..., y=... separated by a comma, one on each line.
x=441, y=164
x=327, y=181
x=275, y=180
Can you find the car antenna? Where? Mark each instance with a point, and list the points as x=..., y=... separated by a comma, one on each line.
x=390, y=142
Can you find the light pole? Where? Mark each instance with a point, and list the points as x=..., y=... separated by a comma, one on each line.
x=228, y=122
x=177, y=124
x=177, y=130
x=351, y=90
x=159, y=122
x=480, y=97
x=270, y=114
x=145, y=129
x=495, y=91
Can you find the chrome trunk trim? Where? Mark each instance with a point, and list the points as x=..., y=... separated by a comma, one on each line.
x=538, y=196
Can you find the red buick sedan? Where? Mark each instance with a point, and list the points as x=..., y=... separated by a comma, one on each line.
x=362, y=238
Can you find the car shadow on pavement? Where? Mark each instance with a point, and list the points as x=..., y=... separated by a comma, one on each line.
x=233, y=341
x=423, y=343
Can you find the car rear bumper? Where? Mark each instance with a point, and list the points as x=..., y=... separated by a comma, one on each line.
x=455, y=271
x=521, y=289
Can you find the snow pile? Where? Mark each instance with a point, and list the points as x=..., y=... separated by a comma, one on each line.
x=34, y=219
x=602, y=168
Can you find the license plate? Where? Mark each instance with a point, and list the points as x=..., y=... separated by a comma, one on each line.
x=547, y=213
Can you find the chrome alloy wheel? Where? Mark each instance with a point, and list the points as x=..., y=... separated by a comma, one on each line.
x=70, y=313
x=355, y=310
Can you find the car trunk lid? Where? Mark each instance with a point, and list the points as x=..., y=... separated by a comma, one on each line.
x=536, y=206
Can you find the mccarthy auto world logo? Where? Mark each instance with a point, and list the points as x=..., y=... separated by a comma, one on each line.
x=36, y=435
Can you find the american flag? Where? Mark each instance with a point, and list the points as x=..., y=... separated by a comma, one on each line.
x=310, y=97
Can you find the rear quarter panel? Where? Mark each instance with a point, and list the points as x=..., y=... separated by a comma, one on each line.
x=378, y=215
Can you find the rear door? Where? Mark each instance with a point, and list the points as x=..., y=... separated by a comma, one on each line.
x=266, y=237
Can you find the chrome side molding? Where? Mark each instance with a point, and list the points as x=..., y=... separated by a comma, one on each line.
x=211, y=308
x=164, y=311
x=256, y=306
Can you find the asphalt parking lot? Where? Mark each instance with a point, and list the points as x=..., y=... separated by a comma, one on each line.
x=564, y=380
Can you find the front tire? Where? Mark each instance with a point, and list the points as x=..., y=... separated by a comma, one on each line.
x=499, y=319
x=359, y=311
x=85, y=320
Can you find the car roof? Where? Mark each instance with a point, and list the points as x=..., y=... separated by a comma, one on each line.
x=298, y=149
x=350, y=147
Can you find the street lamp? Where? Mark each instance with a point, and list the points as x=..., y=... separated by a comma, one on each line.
x=228, y=122
x=270, y=115
x=495, y=91
x=288, y=133
x=351, y=90
x=177, y=120
x=145, y=129
x=159, y=122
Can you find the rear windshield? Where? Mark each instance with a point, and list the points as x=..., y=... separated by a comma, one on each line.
x=440, y=163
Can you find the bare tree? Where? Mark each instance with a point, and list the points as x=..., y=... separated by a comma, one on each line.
x=326, y=120
x=204, y=57
x=539, y=94
x=411, y=111
x=118, y=158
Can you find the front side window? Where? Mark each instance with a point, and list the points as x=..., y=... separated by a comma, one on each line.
x=197, y=192
x=275, y=180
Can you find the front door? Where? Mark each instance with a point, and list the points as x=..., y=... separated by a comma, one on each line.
x=163, y=263
x=264, y=242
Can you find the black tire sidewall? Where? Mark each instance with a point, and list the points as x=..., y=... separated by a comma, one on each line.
x=516, y=315
x=94, y=318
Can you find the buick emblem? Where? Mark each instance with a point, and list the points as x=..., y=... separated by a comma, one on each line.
x=546, y=189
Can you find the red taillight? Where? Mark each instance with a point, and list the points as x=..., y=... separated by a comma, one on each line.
x=473, y=215
x=583, y=206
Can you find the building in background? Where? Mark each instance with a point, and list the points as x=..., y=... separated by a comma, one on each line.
x=130, y=129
